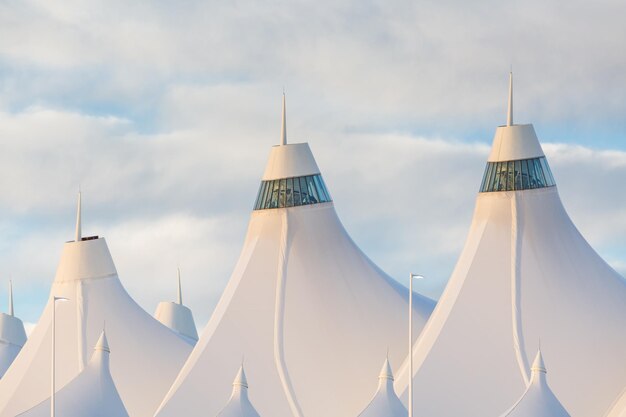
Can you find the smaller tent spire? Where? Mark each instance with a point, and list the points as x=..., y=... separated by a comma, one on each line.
x=180, y=289
x=103, y=343
x=283, y=128
x=538, y=365
x=239, y=404
x=509, y=116
x=11, y=313
x=78, y=219
x=386, y=372
x=240, y=379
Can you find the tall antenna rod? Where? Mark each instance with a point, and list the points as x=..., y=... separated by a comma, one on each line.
x=11, y=298
x=509, y=117
x=78, y=220
x=283, y=129
x=180, y=289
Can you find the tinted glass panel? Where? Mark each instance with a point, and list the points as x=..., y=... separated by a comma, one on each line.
x=289, y=193
x=258, y=197
x=541, y=182
x=509, y=176
x=320, y=188
x=325, y=189
x=525, y=183
x=281, y=200
x=296, y=192
x=312, y=191
x=485, y=176
x=492, y=176
x=546, y=171
x=274, y=196
x=499, y=178
x=517, y=175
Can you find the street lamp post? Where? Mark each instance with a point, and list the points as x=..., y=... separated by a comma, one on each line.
x=54, y=307
x=411, y=276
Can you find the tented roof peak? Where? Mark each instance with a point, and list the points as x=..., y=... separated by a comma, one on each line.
x=240, y=379
x=538, y=399
x=538, y=364
x=103, y=343
x=239, y=404
x=385, y=402
x=386, y=372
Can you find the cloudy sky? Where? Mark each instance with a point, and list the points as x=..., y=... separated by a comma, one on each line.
x=164, y=112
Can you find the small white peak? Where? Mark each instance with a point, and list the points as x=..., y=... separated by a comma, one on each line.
x=538, y=365
x=103, y=343
x=240, y=379
x=509, y=117
x=283, y=128
x=78, y=236
x=386, y=372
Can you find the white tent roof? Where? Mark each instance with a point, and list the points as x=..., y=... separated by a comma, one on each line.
x=92, y=393
x=12, y=336
x=178, y=317
x=303, y=304
x=147, y=356
x=538, y=400
x=619, y=408
x=385, y=402
x=239, y=404
x=525, y=272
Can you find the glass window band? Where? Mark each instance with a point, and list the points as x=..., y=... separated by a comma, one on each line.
x=292, y=192
x=523, y=174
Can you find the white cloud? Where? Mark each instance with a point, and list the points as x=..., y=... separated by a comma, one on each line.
x=374, y=64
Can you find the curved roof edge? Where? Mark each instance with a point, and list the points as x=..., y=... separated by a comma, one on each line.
x=290, y=160
x=85, y=259
x=515, y=142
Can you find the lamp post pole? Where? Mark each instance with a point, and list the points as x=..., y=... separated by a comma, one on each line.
x=54, y=307
x=411, y=276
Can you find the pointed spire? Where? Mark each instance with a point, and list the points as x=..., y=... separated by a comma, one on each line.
x=103, y=343
x=240, y=379
x=180, y=289
x=386, y=372
x=11, y=313
x=283, y=128
x=509, y=116
x=538, y=365
x=78, y=220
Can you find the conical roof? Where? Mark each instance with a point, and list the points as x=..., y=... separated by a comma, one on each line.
x=385, y=402
x=178, y=317
x=525, y=272
x=239, y=404
x=148, y=355
x=304, y=300
x=92, y=393
x=12, y=335
x=538, y=400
